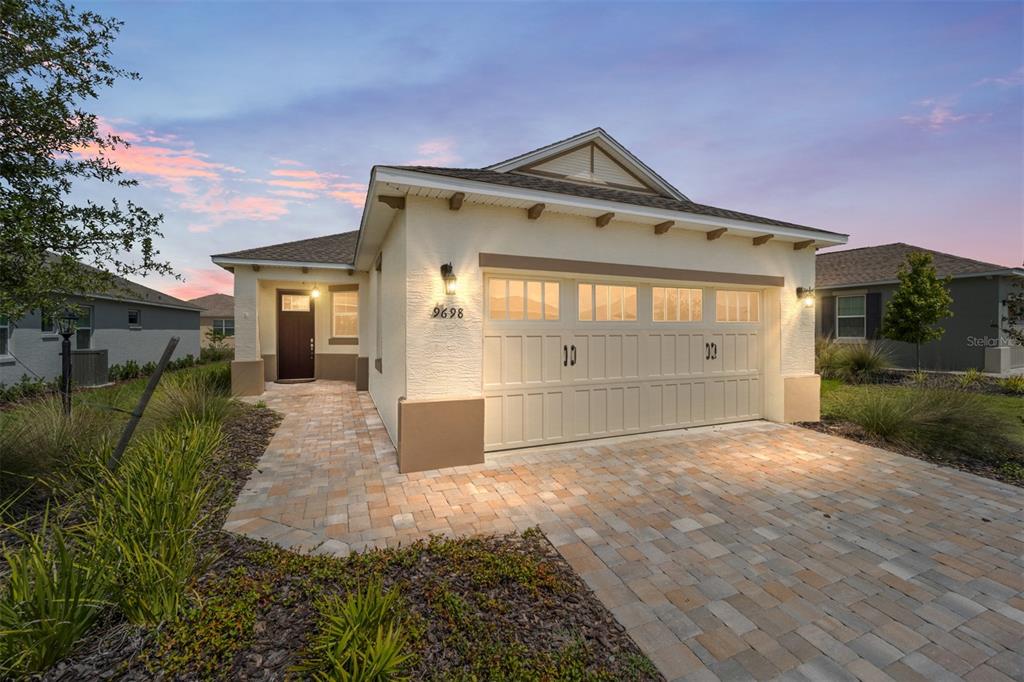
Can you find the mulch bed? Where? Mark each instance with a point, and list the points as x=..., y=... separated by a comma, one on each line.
x=489, y=607
x=976, y=466
x=988, y=385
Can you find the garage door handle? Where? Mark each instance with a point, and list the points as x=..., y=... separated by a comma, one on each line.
x=565, y=359
x=573, y=361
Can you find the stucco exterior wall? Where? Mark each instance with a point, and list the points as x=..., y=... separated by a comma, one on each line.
x=445, y=356
x=38, y=353
x=388, y=384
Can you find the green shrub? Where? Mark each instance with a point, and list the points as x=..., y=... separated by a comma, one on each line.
x=932, y=420
x=201, y=395
x=39, y=438
x=862, y=361
x=216, y=354
x=826, y=358
x=129, y=370
x=1014, y=384
x=148, y=515
x=358, y=638
x=50, y=597
x=854, y=362
x=969, y=379
x=27, y=388
x=917, y=378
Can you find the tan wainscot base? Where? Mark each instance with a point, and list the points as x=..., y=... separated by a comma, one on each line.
x=434, y=434
x=802, y=396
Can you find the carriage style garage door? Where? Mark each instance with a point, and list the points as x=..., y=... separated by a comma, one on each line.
x=574, y=359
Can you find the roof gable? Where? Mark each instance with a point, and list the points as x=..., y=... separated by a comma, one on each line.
x=592, y=158
x=334, y=249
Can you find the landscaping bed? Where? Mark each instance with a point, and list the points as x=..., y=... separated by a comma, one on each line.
x=980, y=433
x=470, y=608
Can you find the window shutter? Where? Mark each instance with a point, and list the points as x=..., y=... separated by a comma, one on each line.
x=828, y=316
x=873, y=313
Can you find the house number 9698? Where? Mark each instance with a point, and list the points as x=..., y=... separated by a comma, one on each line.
x=447, y=313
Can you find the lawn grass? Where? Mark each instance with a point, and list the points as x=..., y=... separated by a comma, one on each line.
x=834, y=390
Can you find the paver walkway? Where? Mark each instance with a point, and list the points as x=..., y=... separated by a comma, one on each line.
x=758, y=551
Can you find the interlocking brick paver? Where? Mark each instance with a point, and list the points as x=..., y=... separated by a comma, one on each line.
x=753, y=551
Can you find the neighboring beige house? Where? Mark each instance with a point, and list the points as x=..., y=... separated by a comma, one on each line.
x=218, y=312
x=568, y=293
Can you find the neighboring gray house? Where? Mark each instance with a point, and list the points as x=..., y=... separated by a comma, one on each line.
x=854, y=286
x=132, y=322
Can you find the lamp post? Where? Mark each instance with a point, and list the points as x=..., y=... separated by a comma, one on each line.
x=66, y=328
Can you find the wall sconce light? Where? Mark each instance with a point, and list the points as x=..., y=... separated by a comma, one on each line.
x=315, y=293
x=806, y=296
x=450, y=281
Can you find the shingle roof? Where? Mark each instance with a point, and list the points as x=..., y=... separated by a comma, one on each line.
x=216, y=305
x=337, y=249
x=542, y=184
x=852, y=267
x=126, y=290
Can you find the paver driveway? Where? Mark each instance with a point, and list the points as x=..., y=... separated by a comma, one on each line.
x=755, y=551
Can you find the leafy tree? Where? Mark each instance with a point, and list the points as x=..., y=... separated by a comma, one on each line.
x=921, y=300
x=1013, y=320
x=54, y=60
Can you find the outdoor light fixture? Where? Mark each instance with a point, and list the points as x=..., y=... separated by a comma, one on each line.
x=450, y=281
x=315, y=293
x=66, y=323
x=66, y=329
x=806, y=296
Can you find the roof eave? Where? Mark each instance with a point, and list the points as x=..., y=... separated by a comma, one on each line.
x=1008, y=272
x=397, y=176
x=229, y=262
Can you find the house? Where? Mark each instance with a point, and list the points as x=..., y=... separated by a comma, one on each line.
x=130, y=322
x=568, y=293
x=854, y=286
x=217, y=314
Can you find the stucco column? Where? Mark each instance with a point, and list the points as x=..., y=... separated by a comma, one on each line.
x=247, y=368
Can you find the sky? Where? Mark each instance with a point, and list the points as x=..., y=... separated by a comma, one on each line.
x=258, y=123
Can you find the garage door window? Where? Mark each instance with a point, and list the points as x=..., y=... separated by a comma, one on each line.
x=518, y=299
x=672, y=304
x=606, y=303
x=737, y=306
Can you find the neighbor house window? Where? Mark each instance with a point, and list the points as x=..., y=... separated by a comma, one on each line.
x=737, y=306
x=671, y=304
x=46, y=326
x=851, y=317
x=294, y=303
x=225, y=326
x=83, y=328
x=519, y=299
x=134, y=318
x=346, y=313
x=5, y=336
x=606, y=302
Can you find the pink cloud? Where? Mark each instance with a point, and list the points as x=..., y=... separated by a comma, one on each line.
x=309, y=184
x=220, y=206
x=294, y=194
x=436, y=152
x=288, y=162
x=939, y=116
x=289, y=173
x=1014, y=79
x=170, y=167
x=202, y=281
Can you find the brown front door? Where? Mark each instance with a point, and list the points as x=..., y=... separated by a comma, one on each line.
x=295, y=351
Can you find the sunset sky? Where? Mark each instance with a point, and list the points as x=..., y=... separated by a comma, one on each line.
x=259, y=123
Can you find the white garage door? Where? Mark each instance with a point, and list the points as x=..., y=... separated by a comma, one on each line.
x=574, y=359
